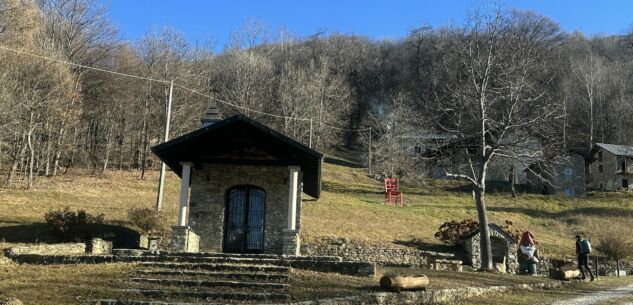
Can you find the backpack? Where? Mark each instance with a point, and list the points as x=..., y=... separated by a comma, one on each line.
x=585, y=246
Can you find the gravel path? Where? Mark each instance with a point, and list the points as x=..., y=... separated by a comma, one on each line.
x=595, y=297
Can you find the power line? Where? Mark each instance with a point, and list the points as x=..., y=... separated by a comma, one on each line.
x=179, y=86
x=82, y=66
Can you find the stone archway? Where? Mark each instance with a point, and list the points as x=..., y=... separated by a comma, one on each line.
x=499, y=249
x=504, y=248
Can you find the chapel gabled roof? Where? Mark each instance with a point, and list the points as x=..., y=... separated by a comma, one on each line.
x=254, y=143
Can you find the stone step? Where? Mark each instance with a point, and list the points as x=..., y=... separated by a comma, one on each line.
x=218, y=267
x=273, y=277
x=217, y=260
x=209, y=283
x=198, y=295
x=215, y=254
x=138, y=302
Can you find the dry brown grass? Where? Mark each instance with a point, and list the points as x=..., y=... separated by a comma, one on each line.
x=113, y=195
x=350, y=206
x=61, y=284
x=308, y=285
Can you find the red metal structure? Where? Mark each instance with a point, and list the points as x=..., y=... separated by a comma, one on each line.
x=393, y=196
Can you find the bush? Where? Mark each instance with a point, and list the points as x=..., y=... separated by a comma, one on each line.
x=453, y=232
x=513, y=231
x=72, y=225
x=615, y=246
x=147, y=220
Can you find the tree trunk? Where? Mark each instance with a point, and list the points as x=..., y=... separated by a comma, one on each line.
x=31, y=157
x=512, y=182
x=19, y=151
x=29, y=141
x=108, y=146
x=484, y=243
x=58, y=150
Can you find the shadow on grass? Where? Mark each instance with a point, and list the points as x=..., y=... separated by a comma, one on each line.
x=347, y=189
x=120, y=236
x=342, y=162
x=459, y=252
x=590, y=211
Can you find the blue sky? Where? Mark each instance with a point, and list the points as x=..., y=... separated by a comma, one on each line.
x=376, y=19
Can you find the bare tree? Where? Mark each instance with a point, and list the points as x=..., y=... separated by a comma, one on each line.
x=493, y=96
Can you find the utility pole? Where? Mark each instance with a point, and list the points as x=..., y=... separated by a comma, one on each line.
x=161, y=180
x=369, y=150
x=310, y=133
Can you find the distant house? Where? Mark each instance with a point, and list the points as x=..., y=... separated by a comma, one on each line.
x=448, y=153
x=610, y=167
x=566, y=176
x=418, y=144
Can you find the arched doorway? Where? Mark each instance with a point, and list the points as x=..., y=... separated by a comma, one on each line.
x=499, y=249
x=245, y=212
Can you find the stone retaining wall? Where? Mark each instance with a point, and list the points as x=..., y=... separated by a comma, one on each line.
x=48, y=249
x=346, y=268
x=436, y=296
x=349, y=251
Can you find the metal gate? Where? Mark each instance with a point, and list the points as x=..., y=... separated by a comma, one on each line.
x=244, y=219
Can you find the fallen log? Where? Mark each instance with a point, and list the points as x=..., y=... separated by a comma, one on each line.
x=398, y=283
x=564, y=274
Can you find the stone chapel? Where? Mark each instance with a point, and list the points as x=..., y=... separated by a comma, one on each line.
x=241, y=186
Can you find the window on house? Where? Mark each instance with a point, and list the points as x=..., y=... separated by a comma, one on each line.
x=569, y=191
x=600, y=169
x=568, y=171
x=599, y=156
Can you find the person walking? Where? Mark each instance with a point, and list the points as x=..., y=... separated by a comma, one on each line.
x=583, y=248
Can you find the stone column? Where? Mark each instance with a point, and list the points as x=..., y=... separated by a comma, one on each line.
x=184, y=193
x=293, y=183
x=182, y=237
x=291, y=241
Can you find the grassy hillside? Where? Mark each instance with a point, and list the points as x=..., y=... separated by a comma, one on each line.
x=349, y=207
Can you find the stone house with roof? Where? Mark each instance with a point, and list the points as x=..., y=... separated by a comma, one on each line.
x=567, y=176
x=610, y=167
x=241, y=186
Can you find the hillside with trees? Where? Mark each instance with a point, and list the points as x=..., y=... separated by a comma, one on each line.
x=55, y=116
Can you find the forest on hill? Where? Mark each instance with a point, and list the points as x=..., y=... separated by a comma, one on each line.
x=55, y=115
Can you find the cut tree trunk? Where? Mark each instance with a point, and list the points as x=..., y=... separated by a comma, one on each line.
x=397, y=283
x=564, y=274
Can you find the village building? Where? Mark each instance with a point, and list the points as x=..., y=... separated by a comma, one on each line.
x=447, y=153
x=241, y=186
x=566, y=176
x=610, y=167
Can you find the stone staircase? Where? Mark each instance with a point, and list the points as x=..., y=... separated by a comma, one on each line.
x=205, y=279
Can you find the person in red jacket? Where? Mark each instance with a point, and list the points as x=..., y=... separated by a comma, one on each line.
x=583, y=248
